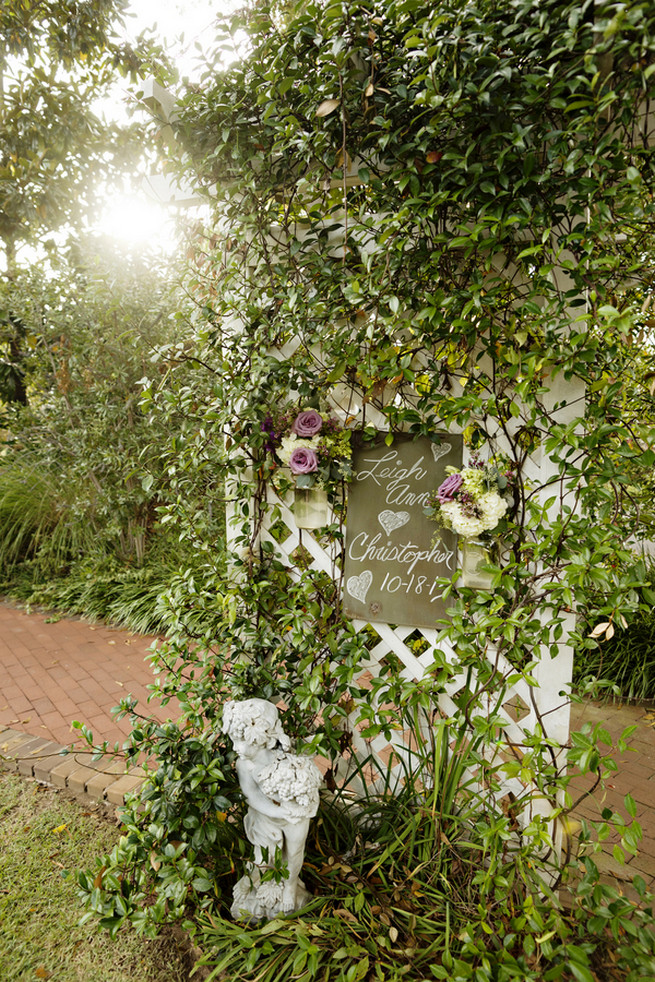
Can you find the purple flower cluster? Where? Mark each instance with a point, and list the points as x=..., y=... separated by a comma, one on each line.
x=331, y=425
x=273, y=439
x=469, y=505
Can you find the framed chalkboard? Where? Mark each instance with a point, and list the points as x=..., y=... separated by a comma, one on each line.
x=394, y=553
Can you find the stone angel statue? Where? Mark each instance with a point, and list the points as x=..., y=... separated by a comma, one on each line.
x=282, y=792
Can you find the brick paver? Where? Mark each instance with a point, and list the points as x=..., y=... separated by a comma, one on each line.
x=635, y=775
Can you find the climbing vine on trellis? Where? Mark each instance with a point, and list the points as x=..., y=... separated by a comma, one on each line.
x=414, y=216
x=425, y=219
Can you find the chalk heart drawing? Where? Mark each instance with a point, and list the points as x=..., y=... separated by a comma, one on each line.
x=392, y=520
x=358, y=586
x=440, y=450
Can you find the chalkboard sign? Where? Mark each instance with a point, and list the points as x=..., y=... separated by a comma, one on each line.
x=394, y=553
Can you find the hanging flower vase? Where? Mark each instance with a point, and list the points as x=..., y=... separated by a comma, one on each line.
x=474, y=554
x=310, y=507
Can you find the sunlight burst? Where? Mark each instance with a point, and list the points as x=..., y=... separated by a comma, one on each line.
x=138, y=222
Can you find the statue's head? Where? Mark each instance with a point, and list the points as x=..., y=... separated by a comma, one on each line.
x=254, y=722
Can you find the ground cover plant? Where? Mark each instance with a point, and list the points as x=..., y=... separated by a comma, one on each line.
x=626, y=661
x=45, y=836
x=422, y=880
x=412, y=210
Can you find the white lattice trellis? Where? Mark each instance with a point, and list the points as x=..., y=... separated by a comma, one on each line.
x=522, y=706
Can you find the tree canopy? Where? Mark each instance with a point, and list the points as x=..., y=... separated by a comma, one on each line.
x=57, y=152
x=56, y=59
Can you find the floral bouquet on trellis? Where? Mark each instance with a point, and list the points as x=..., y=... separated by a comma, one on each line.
x=471, y=501
x=313, y=445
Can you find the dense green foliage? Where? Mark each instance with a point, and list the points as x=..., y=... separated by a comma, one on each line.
x=56, y=60
x=416, y=204
x=58, y=152
x=412, y=882
x=423, y=218
x=626, y=660
x=80, y=476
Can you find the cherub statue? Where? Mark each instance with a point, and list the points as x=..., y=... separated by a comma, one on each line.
x=281, y=789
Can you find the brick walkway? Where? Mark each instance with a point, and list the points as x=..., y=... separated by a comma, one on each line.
x=635, y=776
x=52, y=672
x=55, y=671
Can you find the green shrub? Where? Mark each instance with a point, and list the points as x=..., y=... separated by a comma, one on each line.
x=38, y=521
x=626, y=661
x=425, y=877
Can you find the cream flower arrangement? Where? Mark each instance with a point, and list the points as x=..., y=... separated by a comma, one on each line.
x=471, y=501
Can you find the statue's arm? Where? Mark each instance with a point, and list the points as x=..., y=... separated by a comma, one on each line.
x=256, y=797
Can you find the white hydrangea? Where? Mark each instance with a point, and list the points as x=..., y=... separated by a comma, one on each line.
x=460, y=523
x=291, y=443
x=294, y=780
x=493, y=507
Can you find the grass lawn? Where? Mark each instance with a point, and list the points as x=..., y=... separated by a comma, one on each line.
x=45, y=836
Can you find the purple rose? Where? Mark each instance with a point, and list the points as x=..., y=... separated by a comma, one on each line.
x=303, y=460
x=449, y=488
x=307, y=424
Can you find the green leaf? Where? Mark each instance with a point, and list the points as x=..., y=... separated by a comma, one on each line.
x=581, y=972
x=304, y=481
x=202, y=884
